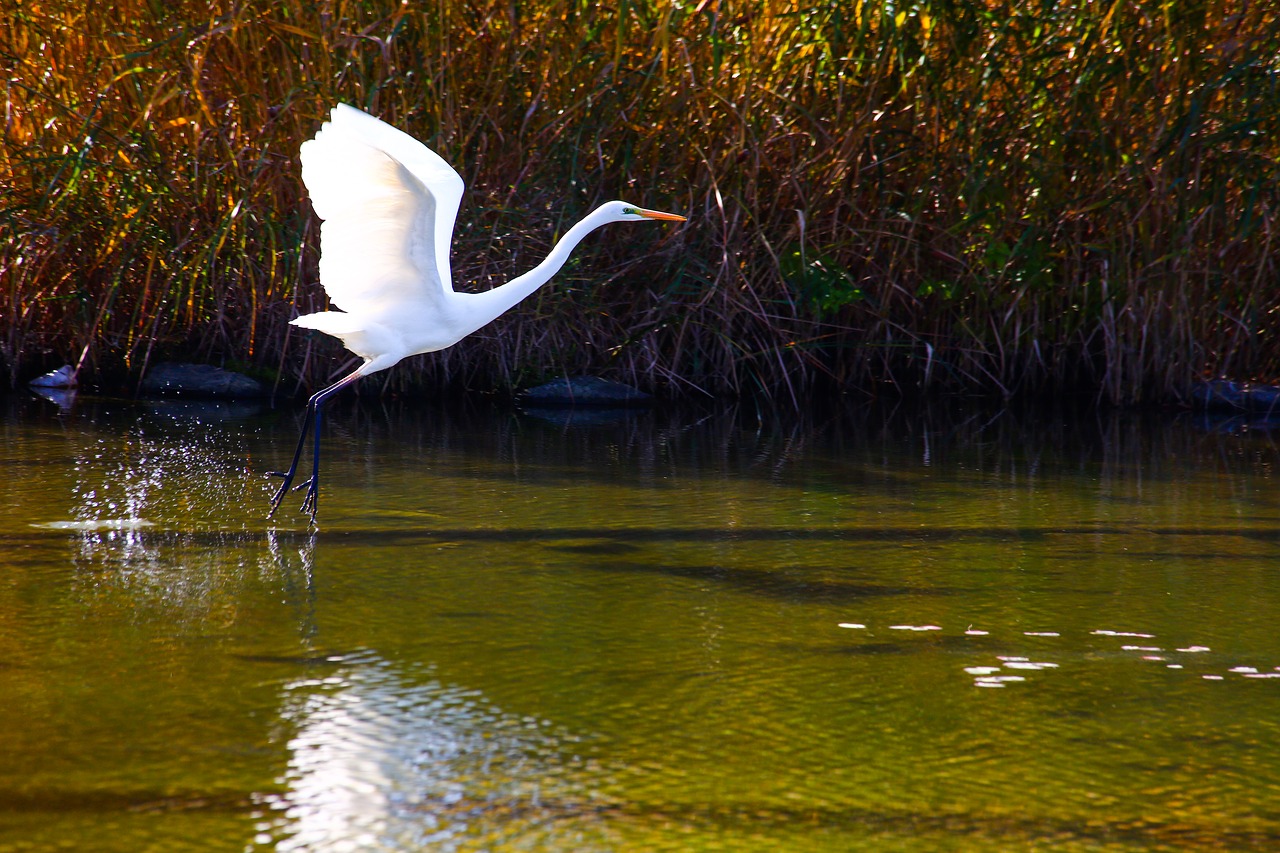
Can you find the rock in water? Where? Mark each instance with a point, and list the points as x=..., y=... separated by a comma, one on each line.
x=63, y=377
x=1245, y=396
x=585, y=391
x=201, y=380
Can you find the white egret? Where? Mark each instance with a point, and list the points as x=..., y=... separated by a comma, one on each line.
x=388, y=204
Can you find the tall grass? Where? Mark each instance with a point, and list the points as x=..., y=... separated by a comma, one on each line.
x=1019, y=197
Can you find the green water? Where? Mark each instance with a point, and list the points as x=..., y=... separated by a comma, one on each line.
x=512, y=633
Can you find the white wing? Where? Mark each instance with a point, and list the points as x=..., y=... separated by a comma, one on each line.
x=388, y=204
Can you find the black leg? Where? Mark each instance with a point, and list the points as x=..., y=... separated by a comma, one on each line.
x=311, y=502
x=293, y=466
x=312, y=485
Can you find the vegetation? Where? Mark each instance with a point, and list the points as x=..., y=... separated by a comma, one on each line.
x=1021, y=197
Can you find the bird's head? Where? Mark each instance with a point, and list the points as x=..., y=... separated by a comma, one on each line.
x=622, y=211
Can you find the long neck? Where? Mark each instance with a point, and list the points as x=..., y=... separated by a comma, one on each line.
x=501, y=299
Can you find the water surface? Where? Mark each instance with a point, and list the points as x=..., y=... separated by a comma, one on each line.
x=948, y=630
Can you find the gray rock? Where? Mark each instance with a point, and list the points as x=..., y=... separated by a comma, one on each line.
x=1246, y=396
x=201, y=380
x=63, y=377
x=585, y=391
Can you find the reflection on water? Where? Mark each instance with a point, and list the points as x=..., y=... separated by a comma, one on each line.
x=667, y=631
x=380, y=761
x=1004, y=669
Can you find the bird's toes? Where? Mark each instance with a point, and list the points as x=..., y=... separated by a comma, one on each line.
x=312, y=499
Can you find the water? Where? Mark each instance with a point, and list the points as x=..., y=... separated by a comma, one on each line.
x=878, y=630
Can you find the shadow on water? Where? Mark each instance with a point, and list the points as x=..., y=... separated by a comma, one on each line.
x=778, y=584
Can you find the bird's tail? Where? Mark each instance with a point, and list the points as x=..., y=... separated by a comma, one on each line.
x=336, y=323
x=341, y=325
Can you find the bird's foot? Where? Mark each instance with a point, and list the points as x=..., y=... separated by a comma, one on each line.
x=287, y=486
x=311, y=502
x=280, y=492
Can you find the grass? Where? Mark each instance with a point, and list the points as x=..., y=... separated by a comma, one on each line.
x=1022, y=198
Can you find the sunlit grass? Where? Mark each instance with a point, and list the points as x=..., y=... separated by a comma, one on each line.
x=1021, y=198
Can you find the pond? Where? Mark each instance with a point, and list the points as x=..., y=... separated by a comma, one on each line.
x=949, y=629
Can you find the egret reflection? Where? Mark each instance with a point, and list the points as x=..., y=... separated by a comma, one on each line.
x=384, y=760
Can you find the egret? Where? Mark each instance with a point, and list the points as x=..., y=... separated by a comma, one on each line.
x=388, y=205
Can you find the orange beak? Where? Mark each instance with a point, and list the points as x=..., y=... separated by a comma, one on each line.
x=657, y=214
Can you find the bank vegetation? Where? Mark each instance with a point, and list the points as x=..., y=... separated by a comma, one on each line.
x=1016, y=198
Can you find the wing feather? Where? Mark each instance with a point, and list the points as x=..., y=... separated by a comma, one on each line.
x=389, y=204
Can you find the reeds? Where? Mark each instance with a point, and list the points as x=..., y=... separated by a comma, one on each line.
x=1019, y=198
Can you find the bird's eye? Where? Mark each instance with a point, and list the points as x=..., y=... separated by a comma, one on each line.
x=630, y=211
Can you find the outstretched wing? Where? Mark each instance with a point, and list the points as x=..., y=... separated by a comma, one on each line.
x=388, y=204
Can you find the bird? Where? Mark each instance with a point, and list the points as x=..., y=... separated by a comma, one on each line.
x=388, y=205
